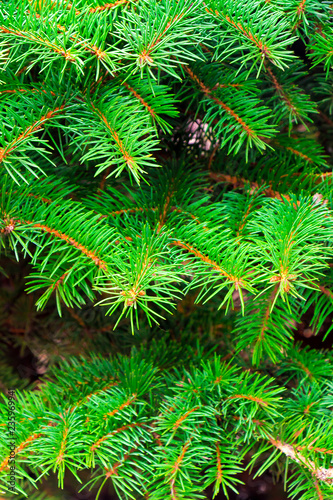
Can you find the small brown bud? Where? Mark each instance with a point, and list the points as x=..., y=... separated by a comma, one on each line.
x=307, y=333
x=9, y=228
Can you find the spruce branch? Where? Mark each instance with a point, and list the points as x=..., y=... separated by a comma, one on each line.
x=236, y=219
x=125, y=147
x=234, y=115
x=181, y=432
x=262, y=40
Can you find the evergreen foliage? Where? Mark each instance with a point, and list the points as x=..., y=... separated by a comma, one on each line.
x=154, y=152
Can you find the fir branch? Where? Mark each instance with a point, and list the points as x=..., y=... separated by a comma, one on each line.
x=108, y=6
x=176, y=468
x=54, y=232
x=31, y=37
x=322, y=48
x=18, y=449
x=208, y=93
x=126, y=403
x=126, y=148
x=261, y=40
x=114, y=469
x=93, y=88
x=145, y=104
x=293, y=103
x=129, y=160
x=147, y=33
x=321, y=473
x=7, y=150
x=206, y=260
x=232, y=115
x=98, y=443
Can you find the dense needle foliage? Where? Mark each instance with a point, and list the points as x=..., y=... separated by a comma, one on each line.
x=166, y=171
